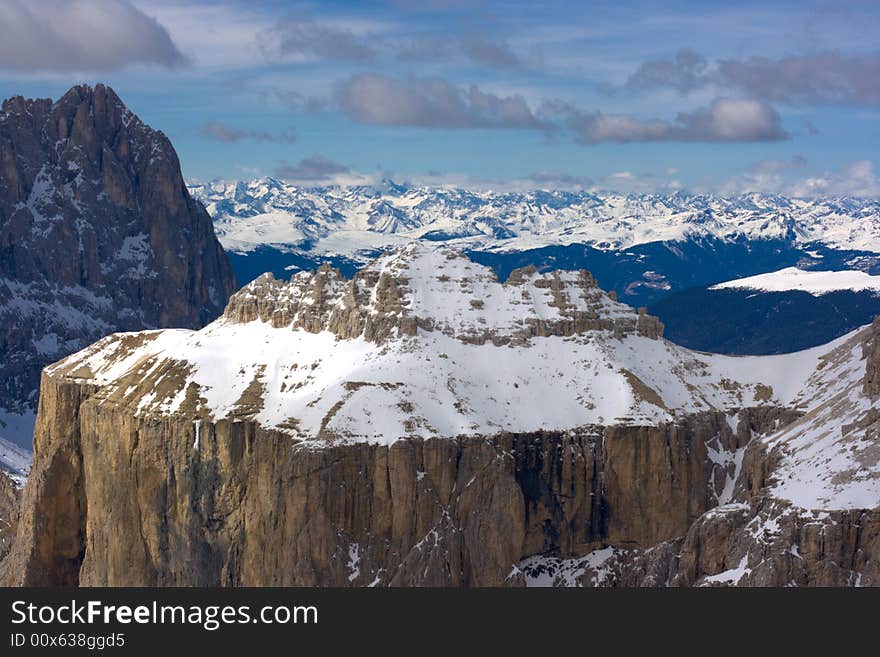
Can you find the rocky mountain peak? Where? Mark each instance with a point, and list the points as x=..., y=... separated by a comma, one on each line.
x=98, y=233
x=439, y=289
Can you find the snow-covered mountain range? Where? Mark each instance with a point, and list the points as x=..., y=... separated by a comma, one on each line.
x=649, y=249
x=350, y=221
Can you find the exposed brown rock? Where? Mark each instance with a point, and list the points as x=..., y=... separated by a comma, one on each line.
x=98, y=233
x=871, y=352
x=116, y=499
x=49, y=544
x=373, y=305
x=9, y=501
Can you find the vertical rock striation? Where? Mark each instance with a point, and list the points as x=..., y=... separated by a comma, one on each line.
x=424, y=424
x=98, y=233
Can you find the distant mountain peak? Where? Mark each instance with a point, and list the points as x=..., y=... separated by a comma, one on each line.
x=246, y=212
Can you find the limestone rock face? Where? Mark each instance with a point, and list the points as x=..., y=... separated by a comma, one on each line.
x=98, y=233
x=119, y=500
x=50, y=523
x=9, y=500
x=423, y=424
x=737, y=545
x=383, y=301
x=122, y=500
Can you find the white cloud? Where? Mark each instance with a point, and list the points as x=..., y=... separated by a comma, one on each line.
x=812, y=79
x=724, y=120
x=215, y=36
x=81, y=35
x=786, y=177
x=857, y=178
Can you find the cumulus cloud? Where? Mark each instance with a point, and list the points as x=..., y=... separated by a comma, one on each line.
x=725, y=120
x=787, y=177
x=218, y=131
x=431, y=103
x=731, y=119
x=814, y=79
x=81, y=35
x=436, y=103
x=311, y=169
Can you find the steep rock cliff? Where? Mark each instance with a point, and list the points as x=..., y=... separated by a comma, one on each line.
x=98, y=233
x=388, y=431
x=162, y=501
x=9, y=500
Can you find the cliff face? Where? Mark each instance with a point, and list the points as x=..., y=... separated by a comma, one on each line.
x=387, y=431
x=120, y=500
x=737, y=544
x=872, y=358
x=98, y=233
x=9, y=499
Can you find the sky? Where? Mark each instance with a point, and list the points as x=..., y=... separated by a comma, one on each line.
x=721, y=97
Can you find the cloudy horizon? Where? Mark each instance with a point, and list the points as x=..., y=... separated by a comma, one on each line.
x=779, y=97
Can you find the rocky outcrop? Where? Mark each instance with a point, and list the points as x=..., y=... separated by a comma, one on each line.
x=98, y=233
x=871, y=353
x=737, y=545
x=9, y=500
x=377, y=302
x=50, y=533
x=119, y=499
x=755, y=536
x=774, y=544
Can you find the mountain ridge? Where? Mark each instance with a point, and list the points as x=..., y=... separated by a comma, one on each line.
x=270, y=211
x=98, y=233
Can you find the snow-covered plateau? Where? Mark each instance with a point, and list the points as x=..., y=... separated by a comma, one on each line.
x=425, y=343
x=425, y=424
x=814, y=282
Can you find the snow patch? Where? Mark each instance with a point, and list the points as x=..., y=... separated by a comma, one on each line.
x=816, y=283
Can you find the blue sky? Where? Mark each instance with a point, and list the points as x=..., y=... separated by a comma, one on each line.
x=635, y=96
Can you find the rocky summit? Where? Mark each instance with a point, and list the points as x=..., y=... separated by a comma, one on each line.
x=424, y=423
x=98, y=233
